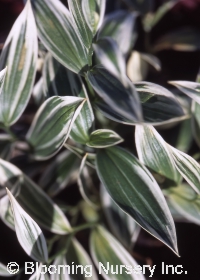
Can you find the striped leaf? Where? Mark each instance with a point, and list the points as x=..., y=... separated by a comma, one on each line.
x=108, y=255
x=191, y=89
x=103, y=138
x=52, y=125
x=28, y=232
x=58, y=174
x=19, y=54
x=188, y=168
x=108, y=54
x=33, y=200
x=122, y=225
x=121, y=173
x=153, y=151
x=57, y=32
x=120, y=26
x=116, y=101
x=84, y=31
x=60, y=81
x=185, y=201
x=93, y=11
x=158, y=104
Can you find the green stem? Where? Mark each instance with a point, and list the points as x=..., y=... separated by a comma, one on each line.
x=82, y=227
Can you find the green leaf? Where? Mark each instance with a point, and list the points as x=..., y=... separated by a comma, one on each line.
x=120, y=26
x=84, y=123
x=103, y=138
x=2, y=78
x=121, y=224
x=158, y=104
x=84, y=31
x=77, y=254
x=188, y=168
x=191, y=89
x=57, y=175
x=107, y=53
x=3, y=271
x=121, y=173
x=93, y=11
x=186, y=202
x=33, y=200
x=6, y=212
x=60, y=81
x=84, y=182
x=183, y=39
x=52, y=125
x=28, y=232
x=55, y=75
x=19, y=54
x=118, y=102
x=153, y=151
x=108, y=255
x=57, y=32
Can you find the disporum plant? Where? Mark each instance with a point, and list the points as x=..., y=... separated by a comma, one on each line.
x=85, y=103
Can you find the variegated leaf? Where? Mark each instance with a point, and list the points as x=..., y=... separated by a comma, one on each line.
x=20, y=56
x=52, y=125
x=28, y=232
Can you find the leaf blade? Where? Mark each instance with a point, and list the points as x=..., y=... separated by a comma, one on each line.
x=20, y=56
x=120, y=172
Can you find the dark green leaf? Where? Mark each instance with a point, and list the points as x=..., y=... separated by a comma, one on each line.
x=121, y=173
x=121, y=224
x=107, y=53
x=158, y=104
x=118, y=102
x=58, y=174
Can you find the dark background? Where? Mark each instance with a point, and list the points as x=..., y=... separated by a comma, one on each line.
x=175, y=66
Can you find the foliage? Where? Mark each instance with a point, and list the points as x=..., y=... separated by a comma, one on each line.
x=84, y=100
